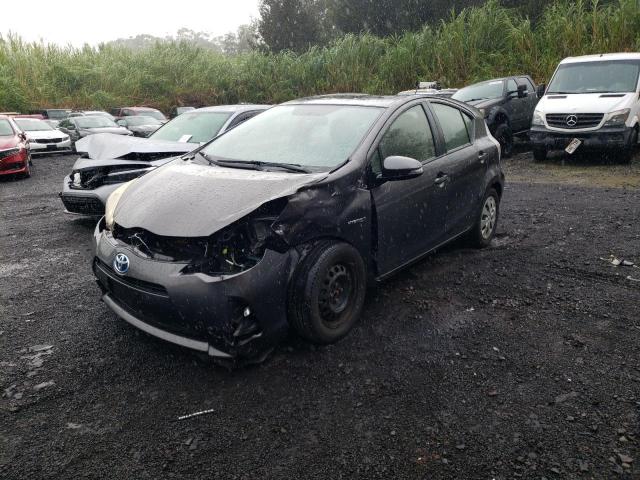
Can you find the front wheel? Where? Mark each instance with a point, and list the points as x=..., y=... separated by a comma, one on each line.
x=327, y=292
x=539, y=154
x=626, y=155
x=484, y=229
x=504, y=135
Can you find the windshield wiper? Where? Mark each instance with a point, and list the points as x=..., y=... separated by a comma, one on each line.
x=477, y=99
x=258, y=165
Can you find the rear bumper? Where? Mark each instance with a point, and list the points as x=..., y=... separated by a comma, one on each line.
x=198, y=311
x=603, y=138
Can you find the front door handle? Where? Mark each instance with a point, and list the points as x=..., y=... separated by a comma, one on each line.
x=441, y=179
x=483, y=157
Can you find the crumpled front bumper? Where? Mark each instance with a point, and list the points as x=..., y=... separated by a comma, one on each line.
x=198, y=311
x=85, y=202
x=603, y=138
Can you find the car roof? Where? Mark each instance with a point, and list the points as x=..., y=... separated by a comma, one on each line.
x=602, y=57
x=356, y=99
x=242, y=107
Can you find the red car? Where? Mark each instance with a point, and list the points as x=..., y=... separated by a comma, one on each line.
x=15, y=157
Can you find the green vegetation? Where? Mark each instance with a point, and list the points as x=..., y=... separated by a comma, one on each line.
x=478, y=43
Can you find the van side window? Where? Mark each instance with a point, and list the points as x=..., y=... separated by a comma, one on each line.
x=454, y=126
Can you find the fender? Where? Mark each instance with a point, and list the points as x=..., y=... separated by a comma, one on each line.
x=493, y=114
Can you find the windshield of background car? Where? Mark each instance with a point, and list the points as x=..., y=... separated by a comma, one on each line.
x=195, y=127
x=615, y=76
x=102, y=114
x=480, y=91
x=322, y=136
x=140, y=120
x=157, y=114
x=33, y=125
x=5, y=128
x=57, y=114
x=94, y=121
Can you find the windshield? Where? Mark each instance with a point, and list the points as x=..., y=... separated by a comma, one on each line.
x=309, y=135
x=102, y=114
x=619, y=76
x=94, y=121
x=57, y=114
x=480, y=91
x=152, y=113
x=140, y=120
x=5, y=128
x=192, y=127
x=33, y=125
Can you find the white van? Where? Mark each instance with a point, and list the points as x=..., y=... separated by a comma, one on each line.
x=591, y=102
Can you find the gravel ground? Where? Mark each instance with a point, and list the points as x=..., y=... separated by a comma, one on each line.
x=518, y=361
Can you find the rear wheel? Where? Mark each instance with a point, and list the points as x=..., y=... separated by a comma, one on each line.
x=484, y=229
x=327, y=292
x=539, y=154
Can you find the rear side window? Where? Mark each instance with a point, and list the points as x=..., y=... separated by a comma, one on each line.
x=5, y=128
x=409, y=136
x=455, y=125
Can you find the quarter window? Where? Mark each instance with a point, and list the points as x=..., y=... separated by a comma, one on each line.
x=454, y=129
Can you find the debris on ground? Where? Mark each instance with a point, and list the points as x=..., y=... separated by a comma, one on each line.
x=619, y=262
x=42, y=385
x=196, y=414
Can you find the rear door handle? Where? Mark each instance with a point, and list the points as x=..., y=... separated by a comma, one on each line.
x=441, y=179
x=483, y=157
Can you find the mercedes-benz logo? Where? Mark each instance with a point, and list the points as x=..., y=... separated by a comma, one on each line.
x=572, y=120
x=121, y=263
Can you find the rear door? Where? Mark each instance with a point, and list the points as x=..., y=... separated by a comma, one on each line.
x=409, y=214
x=464, y=166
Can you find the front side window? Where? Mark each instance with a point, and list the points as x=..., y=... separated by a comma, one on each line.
x=5, y=128
x=512, y=86
x=311, y=135
x=409, y=136
x=452, y=125
x=614, y=76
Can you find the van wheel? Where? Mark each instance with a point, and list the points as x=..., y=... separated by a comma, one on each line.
x=539, y=154
x=626, y=155
x=484, y=229
x=327, y=292
x=504, y=135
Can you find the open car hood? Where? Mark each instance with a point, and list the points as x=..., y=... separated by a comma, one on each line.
x=184, y=199
x=110, y=146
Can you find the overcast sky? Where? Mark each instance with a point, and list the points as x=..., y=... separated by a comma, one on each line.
x=95, y=21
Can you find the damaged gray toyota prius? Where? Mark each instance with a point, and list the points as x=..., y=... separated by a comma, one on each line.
x=285, y=219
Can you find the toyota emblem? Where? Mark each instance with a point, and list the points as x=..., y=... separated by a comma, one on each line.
x=121, y=263
x=572, y=120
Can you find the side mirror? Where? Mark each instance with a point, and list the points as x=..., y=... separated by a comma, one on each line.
x=400, y=168
x=540, y=90
x=522, y=91
x=122, y=123
x=22, y=136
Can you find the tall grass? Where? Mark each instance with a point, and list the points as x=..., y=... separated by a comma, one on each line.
x=471, y=45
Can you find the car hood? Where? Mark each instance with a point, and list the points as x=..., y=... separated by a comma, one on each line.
x=45, y=134
x=584, y=102
x=490, y=102
x=184, y=199
x=8, y=142
x=105, y=145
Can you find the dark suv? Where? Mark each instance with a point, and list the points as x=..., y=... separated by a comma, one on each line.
x=507, y=105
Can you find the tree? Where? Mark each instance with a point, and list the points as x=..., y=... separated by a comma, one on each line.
x=291, y=24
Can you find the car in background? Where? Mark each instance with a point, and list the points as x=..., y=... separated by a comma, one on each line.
x=175, y=111
x=140, y=125
x=15, y=156
x=53, y=123
x=507, y=105
x=430, y=88
x=82, y=113
x=122, y=112
x=53, y=113
x=106, y=162
x=284, y=220
x=82, y=126
x=592, y=103
x=43, y=138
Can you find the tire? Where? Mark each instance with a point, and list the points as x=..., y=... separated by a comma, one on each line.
x=626, y=155
x=539, y=154
x=484, y=228
x=327, y=292
x=504, y=135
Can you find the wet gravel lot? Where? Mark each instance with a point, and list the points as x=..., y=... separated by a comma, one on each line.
x=518, y=361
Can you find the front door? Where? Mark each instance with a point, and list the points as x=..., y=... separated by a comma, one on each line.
x=410, y=214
